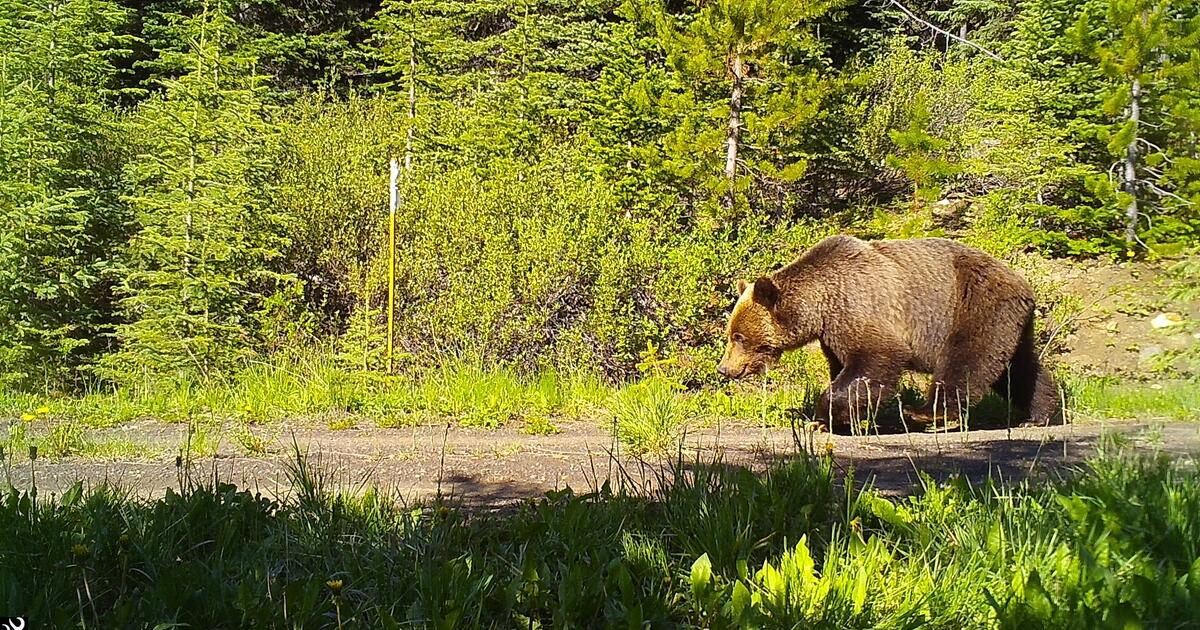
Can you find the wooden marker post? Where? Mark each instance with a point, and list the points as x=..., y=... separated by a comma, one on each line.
x=395, y=202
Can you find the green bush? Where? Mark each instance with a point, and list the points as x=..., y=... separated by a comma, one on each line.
x=529, y=264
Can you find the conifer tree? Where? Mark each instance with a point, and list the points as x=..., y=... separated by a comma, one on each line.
x=918, y=154
x=59, y=213
x=1147, y=50
x=738, y=42
x=541, y=67
x=421, y=54
x=1051, y=43
x=631, y=110
x=198, y=268
x=1178, y=165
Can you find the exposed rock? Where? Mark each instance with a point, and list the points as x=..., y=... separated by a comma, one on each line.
x=1147, y=353
x=1164, y=320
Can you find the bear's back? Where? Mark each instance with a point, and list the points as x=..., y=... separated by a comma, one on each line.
x=933, y=277
x=906, y=289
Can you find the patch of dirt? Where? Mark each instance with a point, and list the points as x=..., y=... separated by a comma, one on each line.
x=490, y=468
x=1114, y=332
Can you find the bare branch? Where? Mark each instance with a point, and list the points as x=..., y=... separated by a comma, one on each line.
x=912, y=16
x=1141, y=242
x=1150, y=144
x=1165, y=193
x=1112, y=168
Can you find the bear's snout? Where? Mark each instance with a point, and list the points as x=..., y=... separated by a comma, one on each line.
x=730, y=373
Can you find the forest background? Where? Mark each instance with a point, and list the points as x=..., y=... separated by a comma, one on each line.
x=190, y=188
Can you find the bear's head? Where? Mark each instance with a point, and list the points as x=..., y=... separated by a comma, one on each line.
x=754, y=338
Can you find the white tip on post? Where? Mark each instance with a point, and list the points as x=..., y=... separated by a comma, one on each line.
x=393, y=188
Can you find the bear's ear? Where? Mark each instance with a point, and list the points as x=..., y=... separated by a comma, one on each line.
x=765, y=292
x=741, y=286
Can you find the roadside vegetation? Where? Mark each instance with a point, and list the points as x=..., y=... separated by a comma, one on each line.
x=1112, y=544
x=190, y=191
x=649, y=414
x=194, y=229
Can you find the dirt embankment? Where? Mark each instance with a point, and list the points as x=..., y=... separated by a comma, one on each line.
x=1127, y=323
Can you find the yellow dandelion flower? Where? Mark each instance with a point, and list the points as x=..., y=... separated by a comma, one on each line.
x=1129, y=253
x=335, y=586
x=28, y=417
x=828, y=449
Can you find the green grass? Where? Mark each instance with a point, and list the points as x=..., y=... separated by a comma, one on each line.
x=1098, y=398
x=315, y=386
x=57, y=439
x=1113, y=543
x=647, y=416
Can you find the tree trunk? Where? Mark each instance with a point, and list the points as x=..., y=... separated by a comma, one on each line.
x=734, y=132
x=412, y=104
x=1130, y=171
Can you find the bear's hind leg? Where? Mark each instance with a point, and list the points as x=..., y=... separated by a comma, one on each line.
x=835, y=364
x=974, y=358
x=1029, y=386
x=1045, y=407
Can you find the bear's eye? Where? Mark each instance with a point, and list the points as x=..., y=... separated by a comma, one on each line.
x=738, y=338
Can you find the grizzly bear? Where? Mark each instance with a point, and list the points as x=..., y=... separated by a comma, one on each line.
x=881, y=307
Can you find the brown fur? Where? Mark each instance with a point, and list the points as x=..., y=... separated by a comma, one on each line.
x=879, y=308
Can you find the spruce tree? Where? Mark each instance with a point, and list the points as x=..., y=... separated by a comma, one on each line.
x=199, y=267
x=59, y=161
x=542, y=67
x=918, y=154
x=1177, y=166
x=1051, y=43
x=421, y=56
x=762, y=55
x=630, y=111
x=1147, y=50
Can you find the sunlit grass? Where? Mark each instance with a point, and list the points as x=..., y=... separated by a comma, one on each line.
x=648, y=415
x=1098, y=398
x=118, y=448
x=56, y=439
x=316, y=387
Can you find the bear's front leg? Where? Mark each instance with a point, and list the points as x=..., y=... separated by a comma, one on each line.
x=860, y=389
